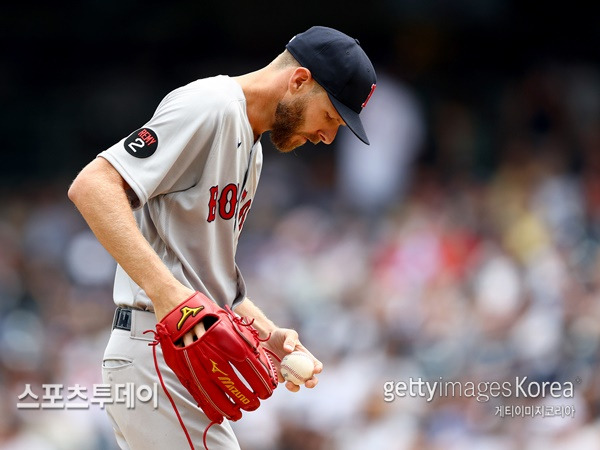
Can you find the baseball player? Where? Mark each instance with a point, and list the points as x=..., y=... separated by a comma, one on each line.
x=169, y=202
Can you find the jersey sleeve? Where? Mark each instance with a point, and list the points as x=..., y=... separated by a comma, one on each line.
x=168, y=152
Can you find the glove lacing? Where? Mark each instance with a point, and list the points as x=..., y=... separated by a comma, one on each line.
x=242, y=322
x=153, y=344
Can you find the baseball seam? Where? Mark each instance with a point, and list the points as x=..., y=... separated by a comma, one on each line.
x=293, y=372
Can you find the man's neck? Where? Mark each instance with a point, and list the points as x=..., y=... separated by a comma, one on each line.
x=263, y=89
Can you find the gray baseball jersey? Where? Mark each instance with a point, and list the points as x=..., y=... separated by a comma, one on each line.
x=194, y=168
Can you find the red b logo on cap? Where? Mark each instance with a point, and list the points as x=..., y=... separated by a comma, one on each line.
x=368, y=96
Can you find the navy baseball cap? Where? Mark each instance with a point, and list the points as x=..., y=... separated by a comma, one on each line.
x=339, y=64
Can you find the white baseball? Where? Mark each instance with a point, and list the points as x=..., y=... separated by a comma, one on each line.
x=297, y=367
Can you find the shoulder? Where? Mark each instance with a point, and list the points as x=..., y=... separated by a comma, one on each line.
x=202, y=103
x=216, y=95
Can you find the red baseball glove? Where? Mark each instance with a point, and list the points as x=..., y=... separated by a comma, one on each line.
x=210, y=368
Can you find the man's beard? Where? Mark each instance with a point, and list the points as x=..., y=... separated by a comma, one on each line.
x=289, y=118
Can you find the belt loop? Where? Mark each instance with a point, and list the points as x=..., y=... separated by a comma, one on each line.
x=141, y=321
x=135, y=321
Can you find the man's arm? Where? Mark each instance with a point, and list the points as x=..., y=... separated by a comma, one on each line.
x=100, y=194
x=281, y=340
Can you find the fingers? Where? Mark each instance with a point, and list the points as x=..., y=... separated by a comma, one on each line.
x=193, y=335
x=318, y=364
x=310, y=384
x=291, y=386
x=291, y=341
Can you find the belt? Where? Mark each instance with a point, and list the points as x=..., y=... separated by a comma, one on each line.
x=136, y=321
x=122, y=319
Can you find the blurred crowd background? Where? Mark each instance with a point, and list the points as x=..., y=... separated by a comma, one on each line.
x=463, y=244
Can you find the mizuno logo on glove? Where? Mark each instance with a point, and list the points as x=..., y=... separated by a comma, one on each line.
x=229, y=384
x=215, y=368
x=186, y=312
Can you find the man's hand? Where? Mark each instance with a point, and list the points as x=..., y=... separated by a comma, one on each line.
x=284, y=341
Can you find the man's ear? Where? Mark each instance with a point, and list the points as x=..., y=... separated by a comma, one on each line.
x=300, y=79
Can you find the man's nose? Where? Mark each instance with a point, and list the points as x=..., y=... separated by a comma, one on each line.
x=328, y=135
